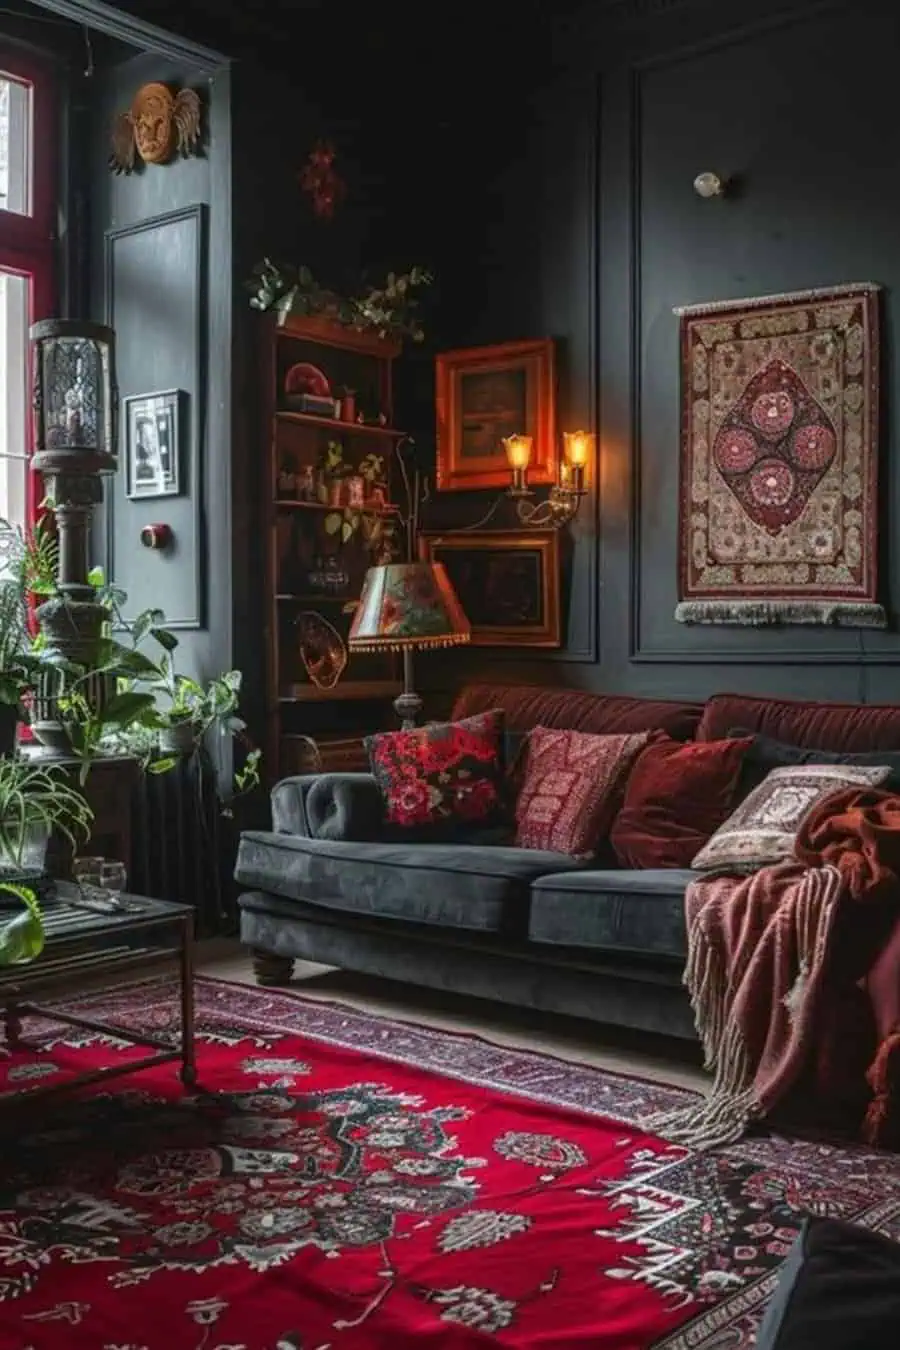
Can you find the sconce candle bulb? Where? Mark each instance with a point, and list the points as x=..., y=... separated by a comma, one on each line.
x=578, y=449
x=518, y=454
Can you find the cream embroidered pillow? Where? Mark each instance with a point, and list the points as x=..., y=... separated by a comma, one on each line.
x=764, y=827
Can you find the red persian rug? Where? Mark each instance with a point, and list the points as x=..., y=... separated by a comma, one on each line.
x=347, y=1181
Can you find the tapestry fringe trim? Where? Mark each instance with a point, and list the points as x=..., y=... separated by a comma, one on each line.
x=788, y=298
x=761, y=613
x=733, y=1103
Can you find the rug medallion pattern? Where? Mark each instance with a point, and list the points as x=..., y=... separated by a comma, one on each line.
x=349, y=1181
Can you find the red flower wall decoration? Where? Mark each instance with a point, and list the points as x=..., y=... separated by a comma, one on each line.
x=320, y=179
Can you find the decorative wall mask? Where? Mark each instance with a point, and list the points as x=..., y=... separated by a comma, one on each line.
x=319, y=178
x=157, y=126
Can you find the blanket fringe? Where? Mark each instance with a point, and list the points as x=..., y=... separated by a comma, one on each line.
x=734, y=1101
x=731, y=1105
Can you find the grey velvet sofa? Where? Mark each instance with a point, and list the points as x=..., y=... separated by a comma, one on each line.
x=489, y=920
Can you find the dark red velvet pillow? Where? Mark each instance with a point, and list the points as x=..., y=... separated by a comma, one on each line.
x=676, y=797
x=442, y=775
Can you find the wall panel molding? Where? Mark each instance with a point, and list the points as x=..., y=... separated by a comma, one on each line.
x=192, y=550
x=697, y=646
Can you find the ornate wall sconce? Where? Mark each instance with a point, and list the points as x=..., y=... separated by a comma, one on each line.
x=564, y=500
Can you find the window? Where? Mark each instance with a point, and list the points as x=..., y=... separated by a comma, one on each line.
x=27, y=208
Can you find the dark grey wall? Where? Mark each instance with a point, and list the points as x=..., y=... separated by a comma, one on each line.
x=160, y=248
x=589, y=230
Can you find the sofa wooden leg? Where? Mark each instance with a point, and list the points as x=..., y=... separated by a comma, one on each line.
x=270, y=969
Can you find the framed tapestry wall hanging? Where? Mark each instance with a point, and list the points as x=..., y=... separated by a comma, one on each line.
x=484, y=394
x=507, y=582
x=779, y=460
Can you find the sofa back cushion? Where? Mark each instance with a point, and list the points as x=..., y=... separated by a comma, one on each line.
x=527, y=706
x=821, y=726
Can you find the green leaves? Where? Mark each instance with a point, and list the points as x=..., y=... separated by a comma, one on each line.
x=126, y=708
x=22, y=937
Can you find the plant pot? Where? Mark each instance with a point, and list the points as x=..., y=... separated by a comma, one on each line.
x=34, y=853
x=9, y=723
x=356, y=490
x=337, y=492
x=179, y=739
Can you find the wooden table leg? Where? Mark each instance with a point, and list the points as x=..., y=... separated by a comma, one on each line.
x=12, y=1024
x=188, y=1056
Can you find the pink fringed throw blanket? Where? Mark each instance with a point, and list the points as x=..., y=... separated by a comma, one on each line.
x=763, y=963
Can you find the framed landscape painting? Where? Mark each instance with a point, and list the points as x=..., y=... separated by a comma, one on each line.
x=484, y=394
x=507, y=583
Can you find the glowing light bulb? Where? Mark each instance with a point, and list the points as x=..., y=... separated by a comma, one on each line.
x=518, y=451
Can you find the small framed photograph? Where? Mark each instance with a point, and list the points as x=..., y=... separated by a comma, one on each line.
x=153, y=425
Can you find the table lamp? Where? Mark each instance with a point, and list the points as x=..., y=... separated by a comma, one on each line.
x=407, y=607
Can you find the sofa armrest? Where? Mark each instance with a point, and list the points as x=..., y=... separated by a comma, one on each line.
x=328, y=806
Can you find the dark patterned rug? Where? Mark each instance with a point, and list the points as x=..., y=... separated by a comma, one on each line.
x=346, y=1181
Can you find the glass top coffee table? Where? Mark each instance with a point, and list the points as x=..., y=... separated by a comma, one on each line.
x=87, y=931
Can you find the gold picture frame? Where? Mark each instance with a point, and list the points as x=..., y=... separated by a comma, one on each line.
x=507, y=581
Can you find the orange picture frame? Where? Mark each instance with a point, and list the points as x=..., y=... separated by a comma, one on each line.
x=484, y=394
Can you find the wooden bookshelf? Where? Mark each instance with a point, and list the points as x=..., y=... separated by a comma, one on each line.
x=299, y=545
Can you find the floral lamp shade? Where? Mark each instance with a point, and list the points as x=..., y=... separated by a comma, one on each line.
x=408, y=606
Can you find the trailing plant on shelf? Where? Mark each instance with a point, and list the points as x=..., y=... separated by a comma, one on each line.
x=389, y=310
x=35, y=801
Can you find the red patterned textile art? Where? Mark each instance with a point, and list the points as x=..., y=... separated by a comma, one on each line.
x=571, y=788
x=350, y=1182
x=779, y=460
x=441, y=774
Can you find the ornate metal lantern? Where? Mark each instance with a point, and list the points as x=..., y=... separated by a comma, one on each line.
x=75, y=401
x=75, y=395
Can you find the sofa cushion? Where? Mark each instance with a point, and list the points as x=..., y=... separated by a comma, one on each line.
x=639, y=913
x=676, y=797
x=472, y=886
x=827, y=726
x=572, y=788
x=527, y=706
x=764, y=828
x=839, y=1289
x=442, y=776
x=765, y=754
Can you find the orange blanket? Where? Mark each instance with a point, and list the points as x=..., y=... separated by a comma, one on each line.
x=769, y=953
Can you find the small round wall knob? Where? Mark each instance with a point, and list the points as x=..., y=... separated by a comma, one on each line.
x=156, y=536
x=709, y=185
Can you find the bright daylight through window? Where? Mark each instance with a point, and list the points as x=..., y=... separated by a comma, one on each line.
x=25, y=260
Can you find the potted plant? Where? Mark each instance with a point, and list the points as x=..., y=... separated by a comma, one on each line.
x=371, y=469
x=389, y=310
x=35, y=801
x=30, y=570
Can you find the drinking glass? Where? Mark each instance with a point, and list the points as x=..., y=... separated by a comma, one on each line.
x=113, y=876
x=88, y=871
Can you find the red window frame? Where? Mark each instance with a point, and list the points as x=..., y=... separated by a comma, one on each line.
x=28, y=242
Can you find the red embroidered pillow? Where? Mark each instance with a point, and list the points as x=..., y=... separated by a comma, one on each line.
x=441, y=774
x=570, y=789
x=676, y=797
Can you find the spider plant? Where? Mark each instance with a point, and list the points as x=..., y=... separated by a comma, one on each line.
x=35, y=800
x=22, y=936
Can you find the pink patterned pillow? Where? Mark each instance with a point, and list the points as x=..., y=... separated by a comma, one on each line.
x=570, y=790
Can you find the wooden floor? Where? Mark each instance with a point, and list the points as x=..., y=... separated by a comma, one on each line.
x=649, y=1057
